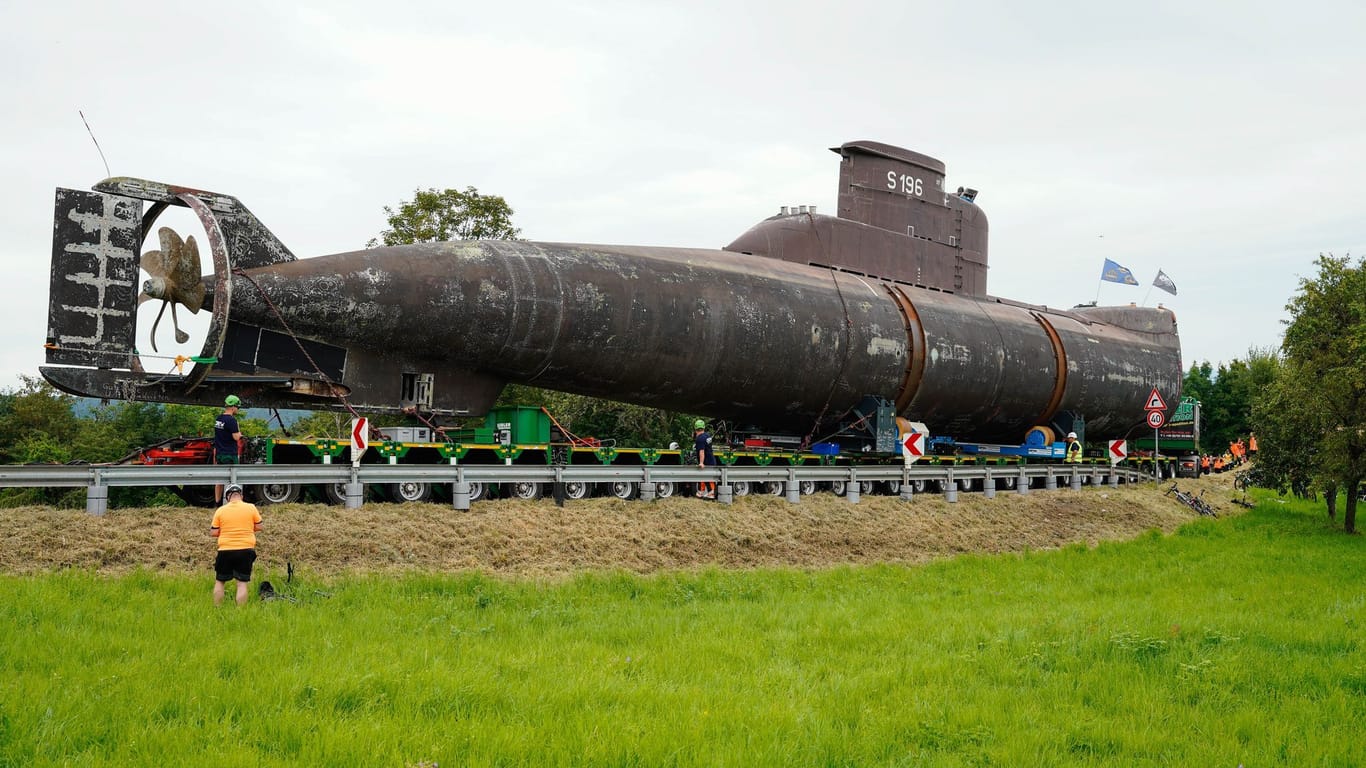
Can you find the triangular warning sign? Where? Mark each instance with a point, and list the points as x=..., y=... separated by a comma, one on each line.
x=1155, y=402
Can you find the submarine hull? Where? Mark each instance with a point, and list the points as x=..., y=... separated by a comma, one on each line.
x=776, y=344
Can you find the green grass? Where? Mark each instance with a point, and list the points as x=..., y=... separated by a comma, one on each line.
x=1233, y=642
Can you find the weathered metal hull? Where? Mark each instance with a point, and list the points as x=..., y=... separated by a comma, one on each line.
x=758, y=340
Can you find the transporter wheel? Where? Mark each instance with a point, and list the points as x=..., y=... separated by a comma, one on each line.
x=526, y=490
x=866, y=487
x=278, y=493
x=478, y=492
x=576, y=490
x=741, y=488
x=195, y=495
x=807, y=487
x=919, y=486
x=335, y=493
x=623, y=489
x=773, y=487
x=892, y=487
x=1006, y=483
x=402, y=493
x=665, y=489
x=941, y=486
x=839, y=487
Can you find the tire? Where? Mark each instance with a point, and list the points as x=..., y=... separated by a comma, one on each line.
x=866, y=487
x=665, y=489
x=478, y=492
x=919, y=486
x=526, y=490
x=807, y=487
x=576, y=490
x=195, y=495
x=277, y=493
x=623, y=489
x=773, y=487
x=404, y=493
x=892, y=487
x=741, y=488
x=334, y=493
x=1006, y=483
x=839, y=487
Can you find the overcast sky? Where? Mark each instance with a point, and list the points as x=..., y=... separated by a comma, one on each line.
x=1222, y=142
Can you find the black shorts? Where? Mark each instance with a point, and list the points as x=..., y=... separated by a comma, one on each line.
x=227, y=458
x=234, y=564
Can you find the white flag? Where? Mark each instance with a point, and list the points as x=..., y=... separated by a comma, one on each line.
x=1164, y=282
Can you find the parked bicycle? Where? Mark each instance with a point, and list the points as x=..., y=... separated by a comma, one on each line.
x=1196, y=502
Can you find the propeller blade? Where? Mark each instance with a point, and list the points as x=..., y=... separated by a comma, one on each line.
x=189, y=284
x=170, y=244
x=157, y=322
x=180, y=336
x=154, y=264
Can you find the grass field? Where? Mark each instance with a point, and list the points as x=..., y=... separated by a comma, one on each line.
x=1232, y=642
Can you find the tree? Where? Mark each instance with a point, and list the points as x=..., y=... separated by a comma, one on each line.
x=434, y=217
x=1317, y=404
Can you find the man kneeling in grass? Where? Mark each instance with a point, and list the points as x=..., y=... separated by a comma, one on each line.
x=234, y=525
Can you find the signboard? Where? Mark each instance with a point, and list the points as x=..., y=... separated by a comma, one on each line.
x=360, y=438
x=913, y=446
x=1156, y=419
x=1155, y=403
x=1119, y=451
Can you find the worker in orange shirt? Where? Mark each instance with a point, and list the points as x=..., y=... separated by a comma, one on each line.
x=1252, y=443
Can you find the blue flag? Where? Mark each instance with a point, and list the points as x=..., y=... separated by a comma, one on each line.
x=1114, y=273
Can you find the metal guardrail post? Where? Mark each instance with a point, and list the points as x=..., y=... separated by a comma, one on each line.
x=96, y=500
x=355, y=495
x=794, y=491
x=460, y=496
x=851, y=490
x=725, y=492
x=1050, y=483
x=950, y=488
x=1114, y=477
x=647, y=486
x=988, y=485
x=1022, y=482
x=1075, y=483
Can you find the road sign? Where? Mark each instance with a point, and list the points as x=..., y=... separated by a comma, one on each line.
x=1155, y=402
x=1119, y=451
x=360, y=438
x=914, y=443
x=1156, y=419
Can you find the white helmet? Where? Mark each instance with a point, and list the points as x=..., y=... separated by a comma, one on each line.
x=1071, y=435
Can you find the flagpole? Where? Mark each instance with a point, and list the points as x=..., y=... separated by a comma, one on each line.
x=1146, y=295
x=1096, y=303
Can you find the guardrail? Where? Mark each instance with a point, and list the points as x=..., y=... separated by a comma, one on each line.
x=795, y=480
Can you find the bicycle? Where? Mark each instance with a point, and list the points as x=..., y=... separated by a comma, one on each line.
x=1196, y=503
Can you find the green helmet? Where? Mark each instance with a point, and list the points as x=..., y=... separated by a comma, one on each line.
x=699, y=424
x=232, y=400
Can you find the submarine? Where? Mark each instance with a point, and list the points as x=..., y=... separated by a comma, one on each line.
x=798, y=323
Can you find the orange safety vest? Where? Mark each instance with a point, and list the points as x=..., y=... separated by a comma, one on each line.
x=1252, y=443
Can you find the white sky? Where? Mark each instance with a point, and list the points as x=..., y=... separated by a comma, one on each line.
x=1223, y=142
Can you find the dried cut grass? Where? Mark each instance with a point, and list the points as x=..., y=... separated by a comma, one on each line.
x=541, y=540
